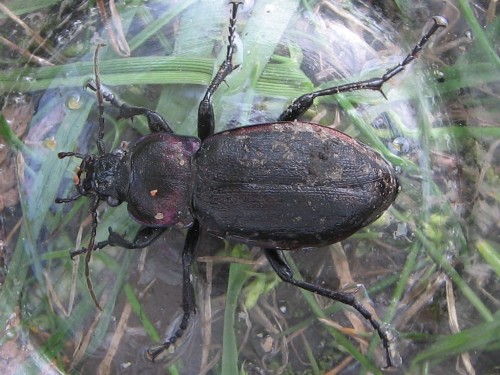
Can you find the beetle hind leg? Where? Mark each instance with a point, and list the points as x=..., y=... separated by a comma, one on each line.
x=283, y=270
x=304, y=102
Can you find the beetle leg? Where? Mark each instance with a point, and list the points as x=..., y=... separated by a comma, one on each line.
x=302, y=104
x=206, y=118
x=144, y=237
x=188, y=302
x=156, y=122
x=283, y=270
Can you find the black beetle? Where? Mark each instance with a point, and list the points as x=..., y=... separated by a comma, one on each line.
x=282, y=186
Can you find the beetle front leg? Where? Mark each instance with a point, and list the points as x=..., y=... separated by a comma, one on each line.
x=156, y=122
x=302, y=104
x=283, y=270
x=188, y=302
x=206, y=118
x=144, y=237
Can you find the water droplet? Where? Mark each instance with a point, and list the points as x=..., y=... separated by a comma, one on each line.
x=50, y=143
x=439, y=76
x=399, y=145
x=282, y=307
x=74, y=101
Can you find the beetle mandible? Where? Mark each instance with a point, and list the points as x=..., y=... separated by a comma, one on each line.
x=284, y=185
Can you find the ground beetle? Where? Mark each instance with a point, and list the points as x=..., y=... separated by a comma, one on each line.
x=284, y=185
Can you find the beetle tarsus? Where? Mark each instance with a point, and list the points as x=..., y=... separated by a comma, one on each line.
x=75, y=253
x=69, y=199
x=107, y=94
x=62, y=155
x=154, y=352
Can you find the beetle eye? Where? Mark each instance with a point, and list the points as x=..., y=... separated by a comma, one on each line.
x=112, y=201
x=120, y=152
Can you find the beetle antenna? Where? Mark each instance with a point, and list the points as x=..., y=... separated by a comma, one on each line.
x=100, y=100
x=90, y=248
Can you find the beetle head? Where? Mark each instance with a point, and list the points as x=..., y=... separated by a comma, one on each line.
x=104, y=176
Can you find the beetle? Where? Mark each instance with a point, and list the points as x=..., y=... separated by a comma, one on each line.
x=283, y=185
